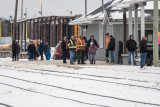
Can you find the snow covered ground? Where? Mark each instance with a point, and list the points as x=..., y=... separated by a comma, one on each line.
x=52, y=84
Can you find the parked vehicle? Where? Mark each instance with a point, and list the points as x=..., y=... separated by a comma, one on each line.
x=58, y=51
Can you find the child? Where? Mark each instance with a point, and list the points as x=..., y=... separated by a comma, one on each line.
x=92, y=53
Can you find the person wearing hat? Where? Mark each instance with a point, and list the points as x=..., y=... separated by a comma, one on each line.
x=81, y=49
x=92, y=53
x=72, y=48
x=64, y=47
x=107, y=51
x=111, y=48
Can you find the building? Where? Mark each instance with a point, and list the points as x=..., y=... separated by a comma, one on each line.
x=111, y=21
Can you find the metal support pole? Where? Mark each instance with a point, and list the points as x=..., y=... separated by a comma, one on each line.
x=25, y=36
x=130, y=22
x=142, y=21
x=42, y=28
x=67, y=35
x=102, y=6
x=124, y=29
x=46, y=36
x=18, y=32
x=50, y=32
x=38, y=28
x=30, y=29
x=59, y=29
x=54, y=31
x=85, y=8
x=34, y=28
x=155, y=35
x=136, y=23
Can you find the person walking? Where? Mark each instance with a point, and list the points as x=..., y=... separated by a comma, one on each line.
x=107, y=51
x=72, y=48
x=81, y=50
x=120, y=51
x=17, y=51
x=131, y=46
x=64, y=47
x=92, y=53
x=143, y=51
x=47, y=51
x=14, y=51
x=41, y=49
x=111, y=48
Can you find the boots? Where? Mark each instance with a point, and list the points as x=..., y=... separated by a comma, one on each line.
x=91, y=62
x=94, y=62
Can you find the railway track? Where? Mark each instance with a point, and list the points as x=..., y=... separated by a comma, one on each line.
x=82, y=78
x=71, y=90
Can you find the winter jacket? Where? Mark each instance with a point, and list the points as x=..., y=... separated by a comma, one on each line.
x=143, y=46
x=17, y=48
x=111, y=45
x=46, y=48
x=72, y=45
x=31, y=48
x=94, y=42
x=131, y=45
x=41, y=47
x=81, y=44
x=64, y=46
x=92, y=49
x=14, y=47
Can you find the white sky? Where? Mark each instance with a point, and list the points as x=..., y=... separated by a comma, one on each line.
x=50, y=7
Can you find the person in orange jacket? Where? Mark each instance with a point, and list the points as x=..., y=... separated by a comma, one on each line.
x=81, y=49
x=107, y=51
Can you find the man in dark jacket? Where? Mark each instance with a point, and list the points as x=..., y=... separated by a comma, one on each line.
x=31, y=49
x=64, y=47
x=72, y=48
x=14, y=51
x=111, y=48
x=143, y=51
x=41, y=49
x=17, y=51
x=131, y=46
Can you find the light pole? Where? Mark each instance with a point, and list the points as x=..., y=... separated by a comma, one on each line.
x=15, y=20
x=85, y=8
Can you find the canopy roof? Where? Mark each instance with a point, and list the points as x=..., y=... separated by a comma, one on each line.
x=114, y=12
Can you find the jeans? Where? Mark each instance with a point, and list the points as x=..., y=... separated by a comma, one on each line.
x=72, y=55
x=143, y=59
x=111, y=53
x=129, y=57
x=92, y=57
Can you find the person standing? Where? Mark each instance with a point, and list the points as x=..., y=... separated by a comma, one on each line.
x=14, y=51
x=111, y=48
x=92, y=53
x=143, y=51
x=131, y=46
x=120, y=51
x=47, y=51
x=41, y=49
x=72, y=48
x=17, y=51
x=64, y=47
x=107, y=51
x=31, y=49
x=81, y=49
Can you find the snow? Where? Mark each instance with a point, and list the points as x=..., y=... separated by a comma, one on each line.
x=49, y=83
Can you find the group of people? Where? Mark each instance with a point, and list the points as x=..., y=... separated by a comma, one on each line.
x=78, y=47
x=36, y=48
x=131, y=45
x=15, y=51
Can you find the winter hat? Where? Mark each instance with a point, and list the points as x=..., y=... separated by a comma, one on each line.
x=91, y=43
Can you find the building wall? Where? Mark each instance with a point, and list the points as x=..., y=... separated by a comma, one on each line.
x=94, y=29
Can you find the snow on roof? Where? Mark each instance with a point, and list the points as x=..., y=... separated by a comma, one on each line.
x=112, y=12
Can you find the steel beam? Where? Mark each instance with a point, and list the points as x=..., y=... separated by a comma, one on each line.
x=136, y=23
